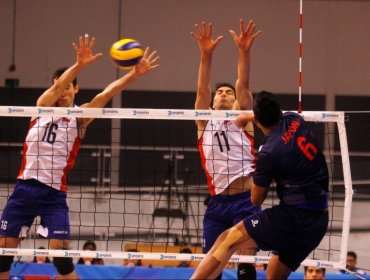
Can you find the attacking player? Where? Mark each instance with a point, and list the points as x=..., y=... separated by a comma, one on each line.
x=290, y=156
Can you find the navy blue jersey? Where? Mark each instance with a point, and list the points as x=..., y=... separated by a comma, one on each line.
x=290, y=156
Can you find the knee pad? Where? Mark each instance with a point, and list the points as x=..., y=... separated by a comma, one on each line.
x=246, y=271
x=6, y=263
x=64, y=266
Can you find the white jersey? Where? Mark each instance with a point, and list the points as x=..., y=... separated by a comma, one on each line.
x=49, y=151
x=227, y=153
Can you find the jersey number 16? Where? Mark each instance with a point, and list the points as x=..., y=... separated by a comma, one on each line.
x=49, y=134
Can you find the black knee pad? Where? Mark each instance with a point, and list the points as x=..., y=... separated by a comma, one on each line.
x=6, y=263
x=64, y=266
x=246, y=271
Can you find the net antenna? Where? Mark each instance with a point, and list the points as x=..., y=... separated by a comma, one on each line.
x=300, y=57
x=330, y=139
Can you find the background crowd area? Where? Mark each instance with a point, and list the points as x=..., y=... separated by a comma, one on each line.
x=41, y=267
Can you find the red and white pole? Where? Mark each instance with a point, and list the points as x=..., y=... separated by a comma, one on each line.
x=300, y=57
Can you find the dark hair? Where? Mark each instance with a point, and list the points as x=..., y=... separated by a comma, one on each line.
x=322, y=268
x=352, y=254
x=59, y=73
x=89, y=244
x=266, y=109
x=185, y=251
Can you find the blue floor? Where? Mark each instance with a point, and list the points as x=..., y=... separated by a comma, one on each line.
x=20, y=270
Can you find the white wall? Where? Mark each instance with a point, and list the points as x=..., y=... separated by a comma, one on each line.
x=336, y=40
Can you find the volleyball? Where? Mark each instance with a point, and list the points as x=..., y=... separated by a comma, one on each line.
x=126, y=53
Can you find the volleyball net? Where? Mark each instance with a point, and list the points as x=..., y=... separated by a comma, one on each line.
x=138, y=189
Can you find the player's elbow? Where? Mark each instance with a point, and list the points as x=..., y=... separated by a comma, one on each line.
x=257, y=198
x=258, y=194
x=256, y=201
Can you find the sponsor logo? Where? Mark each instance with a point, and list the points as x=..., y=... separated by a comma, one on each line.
x=74, y=111
x=135, y=256
x=326, y=265
x=15, y=110
x=325, y=115
x=171, y=113
x=109, y=111
x=254, y=223
x=164, y=257
x=10, y=252
x=38, y=253
x=261, y=259
x=103, y=255
x=71, y=254
x=60, y=232
x=230, y=115
x=197, y=114
x=43, y=111
x=195, y=258
x=140, y=112
x=235, y=259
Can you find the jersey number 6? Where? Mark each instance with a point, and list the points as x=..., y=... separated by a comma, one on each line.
x=307, y=148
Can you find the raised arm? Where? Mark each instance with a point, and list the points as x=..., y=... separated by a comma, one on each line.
x=243, y=119
x=244, y=42
x=146, y=64
x=203, y=36
x=84, y=57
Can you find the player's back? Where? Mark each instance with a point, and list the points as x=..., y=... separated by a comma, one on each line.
x=300, y=169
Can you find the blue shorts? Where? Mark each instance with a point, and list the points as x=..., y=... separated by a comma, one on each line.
x=222, y=213
x=29, y=199
x=293, y=233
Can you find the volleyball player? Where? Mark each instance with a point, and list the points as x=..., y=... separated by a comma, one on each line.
x=226, y=151
x=289, y=155
x=50, y=150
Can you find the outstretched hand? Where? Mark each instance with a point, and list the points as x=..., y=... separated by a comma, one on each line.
x=204, y=37
x=246, y=37
x=84, y=50
x=147, y=63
